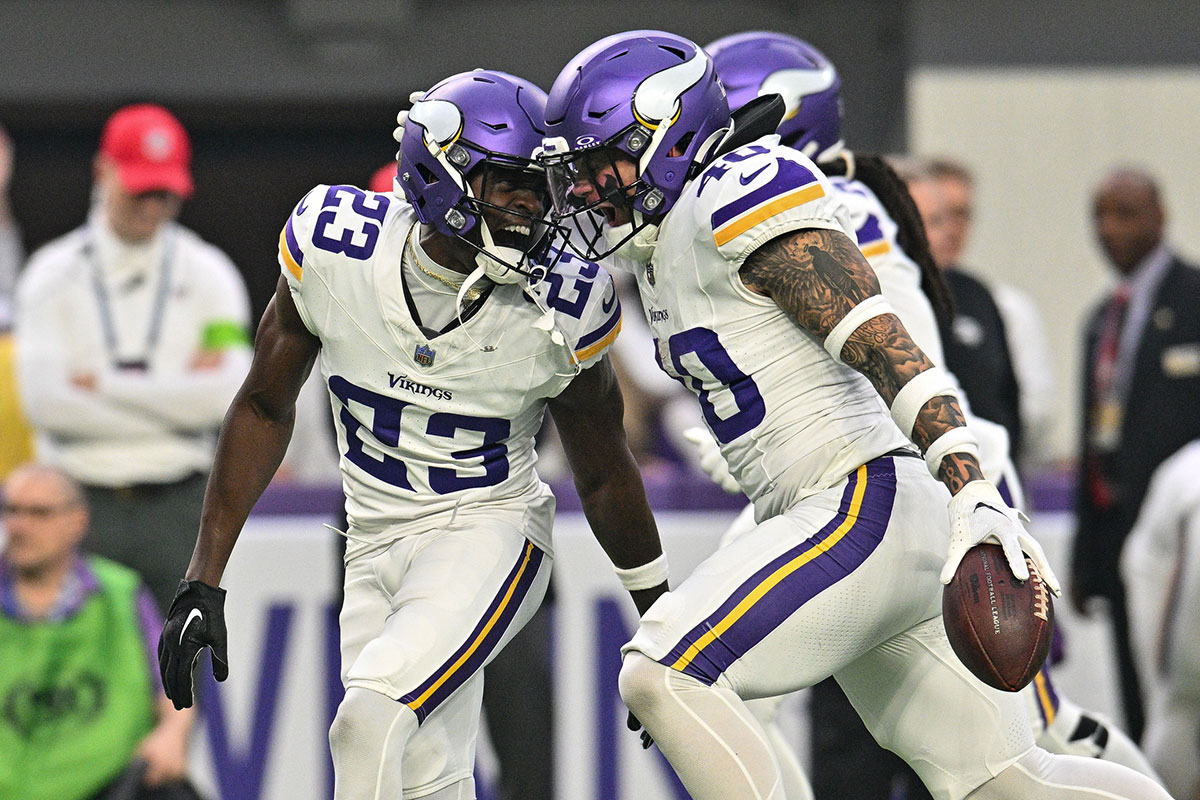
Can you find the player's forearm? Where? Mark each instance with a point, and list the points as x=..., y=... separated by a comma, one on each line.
x=620, y=518
x=821, y=279
x=250, y=448
x=622, y=523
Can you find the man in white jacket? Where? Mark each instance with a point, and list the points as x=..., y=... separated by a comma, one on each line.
x=132, y=338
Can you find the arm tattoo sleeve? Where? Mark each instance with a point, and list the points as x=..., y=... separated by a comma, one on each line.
x=817, y=276
x=957, y=470
x=814, y=275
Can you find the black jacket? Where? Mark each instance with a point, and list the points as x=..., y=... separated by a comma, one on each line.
x=976, y=350
x=1162, y=414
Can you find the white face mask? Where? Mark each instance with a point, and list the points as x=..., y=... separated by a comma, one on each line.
x=639, y=248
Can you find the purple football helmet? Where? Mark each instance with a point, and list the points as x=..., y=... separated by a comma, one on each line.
x=651, y=96
x=477, y=120
x=758, y=62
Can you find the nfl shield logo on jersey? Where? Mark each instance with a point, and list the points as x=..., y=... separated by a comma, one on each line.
x=424, y=355
x=650, y=274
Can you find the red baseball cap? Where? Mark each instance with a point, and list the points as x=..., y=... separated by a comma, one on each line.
x=150, y=149
x=381, y=181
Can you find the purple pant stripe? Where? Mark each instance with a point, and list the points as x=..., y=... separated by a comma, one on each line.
x=459, y=674
x=797, y=588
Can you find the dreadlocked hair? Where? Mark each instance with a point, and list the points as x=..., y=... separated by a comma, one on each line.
x=880, y=178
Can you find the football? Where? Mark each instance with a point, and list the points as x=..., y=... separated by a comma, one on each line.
x=999, y=627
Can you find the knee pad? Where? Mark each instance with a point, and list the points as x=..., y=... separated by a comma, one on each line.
x=367, y=741
x=366, y=718
x=640, y=680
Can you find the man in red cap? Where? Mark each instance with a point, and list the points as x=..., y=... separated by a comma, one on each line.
x=131, y=341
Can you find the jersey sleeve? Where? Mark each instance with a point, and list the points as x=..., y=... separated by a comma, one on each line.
x=295, y=243
x=762, y=191
x=585, y=300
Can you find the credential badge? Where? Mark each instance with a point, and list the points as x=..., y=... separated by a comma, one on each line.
x=424, y=355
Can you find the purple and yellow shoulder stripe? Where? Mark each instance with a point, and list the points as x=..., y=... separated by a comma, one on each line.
x=602, y=336
x=871, y=240
x=289, y=251
x=792, y=185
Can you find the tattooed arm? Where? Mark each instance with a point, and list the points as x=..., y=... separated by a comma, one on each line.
x=817, y=276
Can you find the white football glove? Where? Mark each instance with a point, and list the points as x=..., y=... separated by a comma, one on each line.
x=402, y=117
x=979, y=514
x=711, y=460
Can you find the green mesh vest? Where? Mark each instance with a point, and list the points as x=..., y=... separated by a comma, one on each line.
x=76, y=696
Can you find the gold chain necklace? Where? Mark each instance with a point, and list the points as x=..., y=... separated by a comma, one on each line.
x=472, y=294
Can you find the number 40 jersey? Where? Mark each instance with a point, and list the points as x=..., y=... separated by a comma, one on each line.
x=426, y=426
x=790, y=420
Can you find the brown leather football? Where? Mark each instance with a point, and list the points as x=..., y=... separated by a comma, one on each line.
x=999, y=627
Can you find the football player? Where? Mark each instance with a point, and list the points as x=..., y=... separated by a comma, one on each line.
x=1160, y=563
x=445, y=328
x=762, y=303
x=888, y=229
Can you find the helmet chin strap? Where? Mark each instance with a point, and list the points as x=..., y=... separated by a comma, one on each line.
x=637, y=247
x=491, y=259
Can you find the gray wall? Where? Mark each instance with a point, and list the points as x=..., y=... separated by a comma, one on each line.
x=282, y=94
x=101, y=52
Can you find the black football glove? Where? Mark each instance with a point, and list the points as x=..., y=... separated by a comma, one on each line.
x=635, y=725
x=196, y=621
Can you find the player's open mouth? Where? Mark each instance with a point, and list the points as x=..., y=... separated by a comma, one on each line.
x=515, y=236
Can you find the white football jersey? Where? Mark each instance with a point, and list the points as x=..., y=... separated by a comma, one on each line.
x=426, y=425
x=790, y=420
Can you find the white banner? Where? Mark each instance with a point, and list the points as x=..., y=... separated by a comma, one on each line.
x=263, y=733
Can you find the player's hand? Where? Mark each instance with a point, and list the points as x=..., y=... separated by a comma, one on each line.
x=196, y=621
x=979, y=514
x=402, y=117
x=711, y=460
x=634, y=724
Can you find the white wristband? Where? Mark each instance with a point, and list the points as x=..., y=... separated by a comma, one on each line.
x=955, y=440
x=874, y=306
x=920, y=389
x=647, y=576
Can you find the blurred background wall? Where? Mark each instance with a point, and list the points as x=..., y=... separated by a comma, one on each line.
x=1038, y=98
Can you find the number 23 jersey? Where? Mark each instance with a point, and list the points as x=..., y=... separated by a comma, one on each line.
x=790, y=420
x=432, y=425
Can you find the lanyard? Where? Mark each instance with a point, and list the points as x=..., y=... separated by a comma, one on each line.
x=105, y=305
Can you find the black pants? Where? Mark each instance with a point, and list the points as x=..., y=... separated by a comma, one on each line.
x=1127, y=676
x=518, y=698
x=150, y=528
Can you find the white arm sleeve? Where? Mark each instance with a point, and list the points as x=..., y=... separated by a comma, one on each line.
x=872, y=307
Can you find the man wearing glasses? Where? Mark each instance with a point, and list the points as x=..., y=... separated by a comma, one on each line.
x=80, y=697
